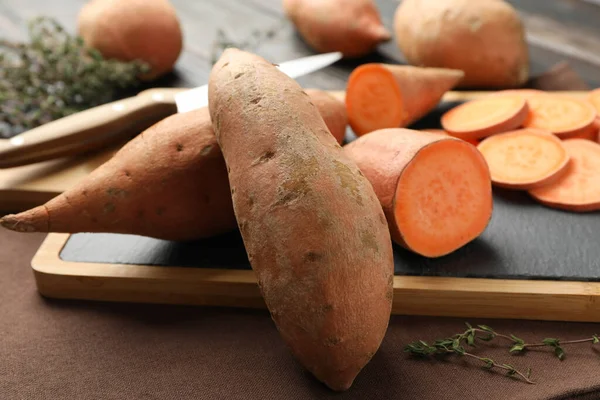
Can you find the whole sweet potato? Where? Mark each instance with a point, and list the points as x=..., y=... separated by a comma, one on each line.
x=315, y=233
x=485, y=39
x=169, y=182
x=351, y=26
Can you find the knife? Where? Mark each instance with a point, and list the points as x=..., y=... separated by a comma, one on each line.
x=108, y=123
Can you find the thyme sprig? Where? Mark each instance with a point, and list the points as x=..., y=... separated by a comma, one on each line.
x=456, y=345
x=54, y=75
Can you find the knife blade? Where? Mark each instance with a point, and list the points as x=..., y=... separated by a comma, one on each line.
x=108, y=123
x=197, y=98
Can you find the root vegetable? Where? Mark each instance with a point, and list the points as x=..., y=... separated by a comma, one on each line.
x=524, y=159
x=443, y=132
x=315, y=233
x=170, y=182
x=435, y=189
x=351, y=26
x=487, y=116
x=333, y=112
x=485, y=39
x=564, y=116
x=147, y=30
x=579, y=188
x=382, y=96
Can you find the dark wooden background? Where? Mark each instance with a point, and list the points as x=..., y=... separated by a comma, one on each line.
x=557, y=30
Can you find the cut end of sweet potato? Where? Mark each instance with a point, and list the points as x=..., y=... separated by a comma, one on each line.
x=579, y=188
x=443, y=199
x=487, y=116
x=34, y=220
x=373, y=99
x=524, y=159
x=561, y=115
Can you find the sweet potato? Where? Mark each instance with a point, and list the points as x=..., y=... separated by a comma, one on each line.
x=578, y=189
x=170, y=182
x=315, y=233
x=147, y=30
x=474, y=142
x=562, y=115
x=435, y=190
x=350, y=26
x=486, y=116
x=485, y=39
x=524, y=159
x=332, y=110
x=382, y=96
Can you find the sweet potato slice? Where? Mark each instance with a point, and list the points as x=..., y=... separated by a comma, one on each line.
x=487, y=116
x=591, y=133
x=562, y=115
x=594, y=99
x=579, y=188
x=524, y=159
x=435, y=190
x=382, y=96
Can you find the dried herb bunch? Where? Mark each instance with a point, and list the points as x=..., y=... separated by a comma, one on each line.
x=457, y=345
x=55, y=75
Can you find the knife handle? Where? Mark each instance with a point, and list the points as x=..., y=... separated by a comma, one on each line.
x=89, y=129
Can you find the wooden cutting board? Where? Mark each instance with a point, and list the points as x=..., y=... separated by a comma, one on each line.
x=532, y=262
x=31, y=185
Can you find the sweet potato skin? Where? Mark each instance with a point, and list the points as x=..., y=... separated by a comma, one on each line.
x=333, y=112
x=351, y=26
x=133, y=30
x=170, y=182
x=485, y=39
x=315, y=233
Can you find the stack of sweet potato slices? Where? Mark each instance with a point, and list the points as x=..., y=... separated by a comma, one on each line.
x=543, y=142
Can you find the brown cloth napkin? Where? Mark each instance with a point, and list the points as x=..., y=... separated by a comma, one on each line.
x=59, y=349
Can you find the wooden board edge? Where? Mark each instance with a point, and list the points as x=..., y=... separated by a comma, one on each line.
x=459, y=96
x=432, y=296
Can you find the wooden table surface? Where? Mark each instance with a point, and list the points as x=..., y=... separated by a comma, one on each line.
x=557, y=30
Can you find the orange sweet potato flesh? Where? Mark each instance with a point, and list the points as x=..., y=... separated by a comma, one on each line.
x=351, y=26
x=382, y=96
x=524, y=159
x=579, y=188
x=564, y=116
x=477, y=119
x=170, y=182
x=435, y=190
x=315, y=233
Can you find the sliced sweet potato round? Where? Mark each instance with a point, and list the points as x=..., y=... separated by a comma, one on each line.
x=524, y=159
x=579, y=188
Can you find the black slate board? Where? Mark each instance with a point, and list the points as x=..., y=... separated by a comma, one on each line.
x=523, y=241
